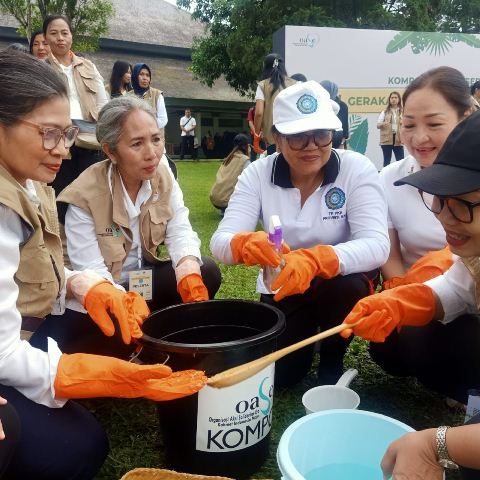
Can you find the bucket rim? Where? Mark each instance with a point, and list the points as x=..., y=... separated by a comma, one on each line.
x=285, y=464
x=263, y=336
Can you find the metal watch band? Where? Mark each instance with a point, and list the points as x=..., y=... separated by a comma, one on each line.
x=442, y=451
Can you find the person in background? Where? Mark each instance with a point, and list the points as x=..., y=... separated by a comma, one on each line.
x=86, y=94
x=59, y=438
x=334, y=220
x=389, y=122
x=228, y=173
x=273, y=80
x=141, y=82
x=340, y=137
x=445, y=308
x=120, y=79
x=299, y=77
x=475, y=93
x=187, y=126
x=39, y=46
x=134, y=193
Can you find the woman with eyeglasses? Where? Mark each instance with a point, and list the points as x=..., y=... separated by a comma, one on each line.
x=334, y=224
x=438, y=321
x=57, y=438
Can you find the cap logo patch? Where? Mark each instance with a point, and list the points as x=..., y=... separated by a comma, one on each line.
x=307, y=104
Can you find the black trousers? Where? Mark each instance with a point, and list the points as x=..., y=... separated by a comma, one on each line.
x=325, y=304
x=387, y=153
x=76, y=332
x=444, y=358
x=45, y=443
x=187, y=147
x=71, y=169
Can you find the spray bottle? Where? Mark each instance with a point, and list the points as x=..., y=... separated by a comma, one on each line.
x=275, y=236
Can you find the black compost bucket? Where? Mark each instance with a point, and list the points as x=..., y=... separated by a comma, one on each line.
x=217, y=431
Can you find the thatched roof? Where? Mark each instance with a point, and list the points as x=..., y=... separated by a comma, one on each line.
x=153, y=21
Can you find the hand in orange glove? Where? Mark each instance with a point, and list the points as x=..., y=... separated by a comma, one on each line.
x=192, y=289
x=254, y=248
x=130, y=309
x=425, y=268
x=256, y=143
x=302, y=266
x=413, y=305
x=85, y=376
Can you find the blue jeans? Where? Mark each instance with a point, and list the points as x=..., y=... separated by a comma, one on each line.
x=387, y=153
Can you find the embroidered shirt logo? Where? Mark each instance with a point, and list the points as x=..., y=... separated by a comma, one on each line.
x=335, y=198
x=307, y=104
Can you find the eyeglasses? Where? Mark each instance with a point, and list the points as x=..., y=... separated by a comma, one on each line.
x=299, y=141
x=52, y=136
x=460, y=209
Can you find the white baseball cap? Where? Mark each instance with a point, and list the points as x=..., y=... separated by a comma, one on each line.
x=303, y=107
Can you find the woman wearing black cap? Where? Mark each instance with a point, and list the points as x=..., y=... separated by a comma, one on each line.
x=439, y=319
x=228, y=173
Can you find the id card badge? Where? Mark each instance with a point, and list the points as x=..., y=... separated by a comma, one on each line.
x=141, y=281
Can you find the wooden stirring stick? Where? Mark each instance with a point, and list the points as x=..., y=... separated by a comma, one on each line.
x=246, y=370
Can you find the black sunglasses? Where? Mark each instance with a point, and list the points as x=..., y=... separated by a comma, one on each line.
x=300, y=141
x=461, y=210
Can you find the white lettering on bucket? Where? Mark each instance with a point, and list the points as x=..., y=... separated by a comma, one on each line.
x=236, y=417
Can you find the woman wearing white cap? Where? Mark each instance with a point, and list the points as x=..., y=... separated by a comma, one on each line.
x=334, y=220
x=450, y=188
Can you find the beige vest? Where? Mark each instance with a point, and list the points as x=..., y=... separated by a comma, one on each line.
x=267, y=119
x=226, y=180
x=85, y=79
x=91, y=192
x=40, y=275
x=386, y=132
x=473, y=265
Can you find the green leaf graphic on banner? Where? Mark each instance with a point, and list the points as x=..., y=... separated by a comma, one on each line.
x=399, y=41
x=358, y=133
x=433, y=43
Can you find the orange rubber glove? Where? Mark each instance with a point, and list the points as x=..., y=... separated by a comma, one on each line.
x=254, y=248
x=425, y=268
x=412, y=305
x=129, y=308
x=85, y=376
x=256, y=143
x=302, y=266
x=192, y=289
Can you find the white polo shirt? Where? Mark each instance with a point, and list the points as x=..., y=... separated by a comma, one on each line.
x=348, y=211
x=418, y=229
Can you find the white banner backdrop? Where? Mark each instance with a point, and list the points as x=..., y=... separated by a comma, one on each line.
x=369, y=64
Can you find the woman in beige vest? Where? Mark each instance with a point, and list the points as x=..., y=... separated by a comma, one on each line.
x=86, y=93
x=59, y=438
x=122, y=209
x=389, y=122
x=272, y=81
x=229, y=171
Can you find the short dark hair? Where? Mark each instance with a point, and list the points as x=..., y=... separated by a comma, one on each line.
x=26, y=83
x=475, y=86
x=447, y=81
x=299, y=77
x=51, y=18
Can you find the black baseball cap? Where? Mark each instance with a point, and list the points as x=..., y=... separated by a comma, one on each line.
x=456, y=170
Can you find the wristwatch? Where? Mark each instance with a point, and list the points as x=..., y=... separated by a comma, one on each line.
x=443, y=458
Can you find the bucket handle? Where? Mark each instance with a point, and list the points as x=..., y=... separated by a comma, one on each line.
x=347, y=377
x=133, y=357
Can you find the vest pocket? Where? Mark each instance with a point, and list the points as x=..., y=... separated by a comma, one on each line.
x=89, y=81
x=159, y=217
x=114, y=256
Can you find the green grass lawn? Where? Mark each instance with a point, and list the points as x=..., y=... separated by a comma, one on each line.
x=132, y=424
